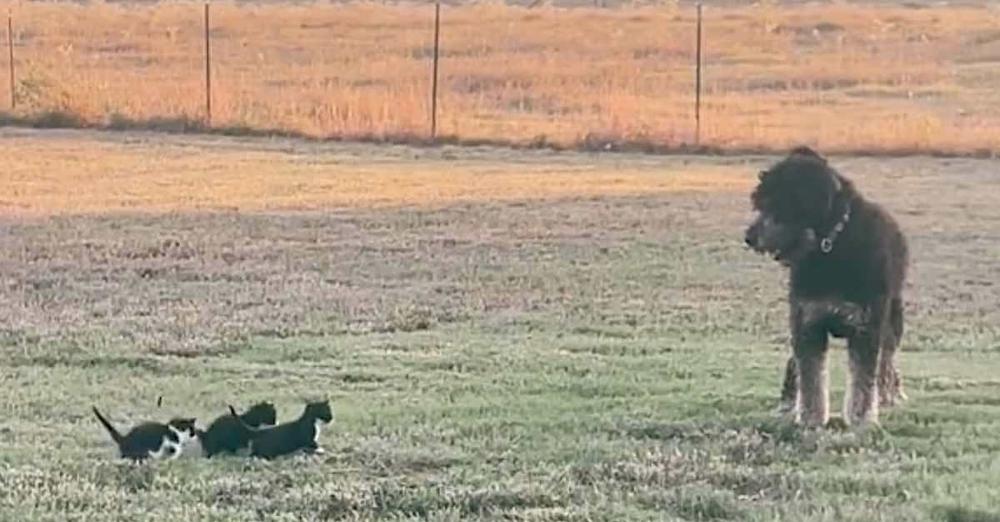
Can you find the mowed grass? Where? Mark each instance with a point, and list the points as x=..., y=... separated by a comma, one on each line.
x=563, y=355
x=875, y=77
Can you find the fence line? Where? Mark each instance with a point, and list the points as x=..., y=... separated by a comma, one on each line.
x=651, y=80
x=435, y=72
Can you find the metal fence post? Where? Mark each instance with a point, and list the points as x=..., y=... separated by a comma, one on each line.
x=10, y=57
x=208, y=72
x=434, y=78
x=697, y=83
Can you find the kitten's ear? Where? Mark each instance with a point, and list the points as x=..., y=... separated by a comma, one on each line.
x=761, y=174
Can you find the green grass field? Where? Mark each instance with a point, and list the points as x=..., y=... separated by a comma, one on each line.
x=577, y=357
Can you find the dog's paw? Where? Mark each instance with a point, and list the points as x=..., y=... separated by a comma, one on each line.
x=784, y=408
x=837, y=424
x=892, y=398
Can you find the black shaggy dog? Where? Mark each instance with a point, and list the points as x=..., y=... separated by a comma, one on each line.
x=848, y=259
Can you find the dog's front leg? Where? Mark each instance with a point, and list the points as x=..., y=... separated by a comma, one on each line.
x=810, y=346
x=861, y=403
x=789, y=388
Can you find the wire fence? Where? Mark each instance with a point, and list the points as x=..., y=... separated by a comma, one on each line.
x=491, y=73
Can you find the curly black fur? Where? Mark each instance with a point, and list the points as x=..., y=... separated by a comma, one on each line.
x=848, y=261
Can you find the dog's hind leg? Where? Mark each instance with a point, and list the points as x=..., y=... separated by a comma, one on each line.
x=861, y=403
x=890, y=384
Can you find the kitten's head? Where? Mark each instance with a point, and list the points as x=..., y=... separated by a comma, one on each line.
x=319, y=410
x=261, y=414
x=184, y=427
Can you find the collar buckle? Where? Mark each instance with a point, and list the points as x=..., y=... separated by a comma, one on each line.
x=826, y=244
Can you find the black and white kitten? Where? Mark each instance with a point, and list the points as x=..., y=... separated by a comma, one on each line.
x=227, y=433
x=151, y=440
x=290, y=437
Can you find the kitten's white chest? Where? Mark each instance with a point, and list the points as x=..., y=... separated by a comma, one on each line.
x=192, y=449
x=170, y=449
x=317, y=427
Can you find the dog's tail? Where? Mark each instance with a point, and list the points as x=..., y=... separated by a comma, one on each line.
x=896, y=318
x=117, y=437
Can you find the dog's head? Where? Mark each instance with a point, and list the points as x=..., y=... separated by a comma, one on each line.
x=794, y=199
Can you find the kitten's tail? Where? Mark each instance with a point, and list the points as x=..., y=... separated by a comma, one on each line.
x=117, y=437
x=251, y=431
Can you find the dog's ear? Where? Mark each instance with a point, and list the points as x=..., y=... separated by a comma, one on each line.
x=803, y=150
x=813, y=191
x=761, y=174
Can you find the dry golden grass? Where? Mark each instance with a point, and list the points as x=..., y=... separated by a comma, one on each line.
x=81, y=173
x=841, y=77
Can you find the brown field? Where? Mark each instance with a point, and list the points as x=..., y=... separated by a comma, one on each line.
x=54, y=175
x=872, y=78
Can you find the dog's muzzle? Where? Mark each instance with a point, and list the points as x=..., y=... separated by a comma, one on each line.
x=752, y=235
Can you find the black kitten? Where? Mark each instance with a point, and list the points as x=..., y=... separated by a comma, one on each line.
x=227, y=434
x=283, y=439
x=151, y=440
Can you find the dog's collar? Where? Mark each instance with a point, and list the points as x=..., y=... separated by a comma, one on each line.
x=826, y=244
